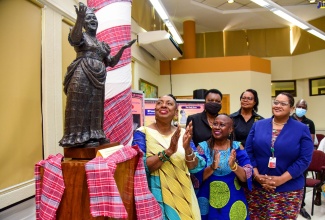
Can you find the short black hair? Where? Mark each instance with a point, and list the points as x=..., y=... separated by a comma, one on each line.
x=171, y=95
x=216, y=91
x=302, y=101
x=255, y=97
x=290, y=97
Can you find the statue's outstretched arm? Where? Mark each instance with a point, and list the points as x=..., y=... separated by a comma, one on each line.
x=117, y=57
x=76, y=32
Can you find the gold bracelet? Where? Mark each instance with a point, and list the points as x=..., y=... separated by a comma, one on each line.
x=234, y=168
x=190, y=153
x=192, y=160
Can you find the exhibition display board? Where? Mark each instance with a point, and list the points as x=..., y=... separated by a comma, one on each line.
x=186, y=107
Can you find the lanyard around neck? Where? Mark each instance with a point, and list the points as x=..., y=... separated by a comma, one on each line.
x=275, y=134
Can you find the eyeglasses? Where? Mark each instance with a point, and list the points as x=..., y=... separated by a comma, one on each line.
x=247, y=98
x=275, y=102
x=214, y=124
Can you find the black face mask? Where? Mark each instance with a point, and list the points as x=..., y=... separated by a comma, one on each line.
x=212, y=107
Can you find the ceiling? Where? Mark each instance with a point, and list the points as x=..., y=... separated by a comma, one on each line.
x=219, y=15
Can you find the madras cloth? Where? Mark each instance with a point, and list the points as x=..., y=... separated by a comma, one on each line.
x=118, y=114
x=98, y=4
x=49, y=188
x=105, y=199
x=263, y=204
x=114, y=28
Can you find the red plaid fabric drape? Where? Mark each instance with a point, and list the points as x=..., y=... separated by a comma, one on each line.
x=104, y=196
x=114, y=17
x=50, y=188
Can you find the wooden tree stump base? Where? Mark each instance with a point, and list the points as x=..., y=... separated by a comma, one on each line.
x=75, y=200
x=85, y=153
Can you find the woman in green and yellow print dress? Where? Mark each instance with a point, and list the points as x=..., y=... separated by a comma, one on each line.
x=220, y=194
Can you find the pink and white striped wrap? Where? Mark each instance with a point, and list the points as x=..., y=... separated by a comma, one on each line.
x=114, y=28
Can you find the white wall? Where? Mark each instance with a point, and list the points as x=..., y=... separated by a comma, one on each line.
x=301, y=68
x=281, y=68
x=308, y=65
x=232, y=83
x=262, y=84
x=145, y=65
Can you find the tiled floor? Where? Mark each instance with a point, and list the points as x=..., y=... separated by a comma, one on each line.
x=23, y=211
x=26, y=210
x=319, y=211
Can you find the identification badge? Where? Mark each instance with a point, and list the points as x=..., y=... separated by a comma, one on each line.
x=272, y=162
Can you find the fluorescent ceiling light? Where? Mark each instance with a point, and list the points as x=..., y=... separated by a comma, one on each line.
x=164, y=16
x=317, y=34
x=160, y=9
x=287, y=15
x=291, y=19
x=261, y=3
x=174, y=32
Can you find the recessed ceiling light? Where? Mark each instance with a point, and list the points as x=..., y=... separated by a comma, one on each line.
x=231, y=1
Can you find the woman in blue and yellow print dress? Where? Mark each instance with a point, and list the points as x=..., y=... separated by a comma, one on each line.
x=220, y=194
x=169, y=158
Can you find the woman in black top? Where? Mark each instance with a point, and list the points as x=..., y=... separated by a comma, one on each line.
x=202, y=122
x=246, y=115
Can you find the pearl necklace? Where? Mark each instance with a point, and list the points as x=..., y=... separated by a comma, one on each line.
x=281, y=124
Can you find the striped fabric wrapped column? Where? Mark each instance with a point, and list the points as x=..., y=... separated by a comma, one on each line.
x=114, y=28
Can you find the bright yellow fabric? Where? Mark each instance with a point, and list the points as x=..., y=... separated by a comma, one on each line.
x=176, y=185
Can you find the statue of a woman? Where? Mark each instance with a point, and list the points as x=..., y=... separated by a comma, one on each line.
x=84, y=82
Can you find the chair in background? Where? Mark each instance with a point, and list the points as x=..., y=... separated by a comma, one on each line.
x=319, y=138
x=317, y=165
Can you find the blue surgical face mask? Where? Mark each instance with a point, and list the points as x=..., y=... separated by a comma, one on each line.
x=300, y=112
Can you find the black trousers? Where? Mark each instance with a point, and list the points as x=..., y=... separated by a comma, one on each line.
x=304, y=195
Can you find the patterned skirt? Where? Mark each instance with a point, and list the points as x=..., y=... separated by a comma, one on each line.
x=263, y=204
x=84, y=113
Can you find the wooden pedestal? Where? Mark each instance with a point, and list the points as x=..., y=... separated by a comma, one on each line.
x=75, y=201
x=87, y=153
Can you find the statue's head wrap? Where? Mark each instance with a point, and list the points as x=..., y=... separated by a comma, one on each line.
x=90, y=17
x=90, y=10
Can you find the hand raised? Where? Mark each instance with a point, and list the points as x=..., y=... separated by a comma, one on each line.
x=188, y=136
x=129, y=44
x=174, y=142
x=81, y=12
x=232, y=158
x=216, y=160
